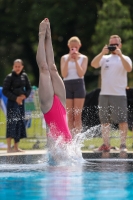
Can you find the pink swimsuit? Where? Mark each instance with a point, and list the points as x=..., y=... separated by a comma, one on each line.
x=57, y=121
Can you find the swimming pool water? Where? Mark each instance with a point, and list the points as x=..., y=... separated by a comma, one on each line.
x=93, y=180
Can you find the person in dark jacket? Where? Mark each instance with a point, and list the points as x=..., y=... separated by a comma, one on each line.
x=16, y=88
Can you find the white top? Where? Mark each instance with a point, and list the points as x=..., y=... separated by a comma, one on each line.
x=72, y=71
x=113, y=75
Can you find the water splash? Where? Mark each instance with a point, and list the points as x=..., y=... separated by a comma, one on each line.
x=60, y=153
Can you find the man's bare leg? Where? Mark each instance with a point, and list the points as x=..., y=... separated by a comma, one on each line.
x=123, y=131
x=105, y=133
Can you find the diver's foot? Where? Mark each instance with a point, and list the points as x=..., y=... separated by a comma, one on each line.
x=43, y=27
x=48, y=31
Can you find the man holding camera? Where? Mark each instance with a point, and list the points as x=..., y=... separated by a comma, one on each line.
x=112, y=99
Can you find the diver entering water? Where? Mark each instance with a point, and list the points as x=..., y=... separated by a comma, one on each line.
x=51, y=87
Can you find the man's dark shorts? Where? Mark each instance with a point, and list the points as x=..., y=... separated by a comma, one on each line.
x=112, y=109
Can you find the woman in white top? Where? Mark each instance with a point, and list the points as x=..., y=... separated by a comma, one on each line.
x=73, y=68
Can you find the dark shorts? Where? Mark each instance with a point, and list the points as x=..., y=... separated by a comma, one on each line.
x=75, y=88
x=130, y=120
x=112, y=109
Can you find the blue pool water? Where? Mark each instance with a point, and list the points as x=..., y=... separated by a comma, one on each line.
x=92, y=180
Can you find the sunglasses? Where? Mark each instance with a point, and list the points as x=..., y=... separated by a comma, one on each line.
x=114, y=45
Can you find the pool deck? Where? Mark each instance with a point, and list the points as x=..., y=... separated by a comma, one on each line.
x=33, y=156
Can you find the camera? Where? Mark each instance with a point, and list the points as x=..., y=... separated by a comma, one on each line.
x=111, y=48
x=73, y=50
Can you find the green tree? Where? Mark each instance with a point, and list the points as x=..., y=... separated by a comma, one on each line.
x=113, y=19
x=19, y=21
x=129, y=4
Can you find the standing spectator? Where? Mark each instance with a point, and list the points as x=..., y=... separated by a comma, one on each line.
x=16, y=88
x=112, y=99
x=73, y=68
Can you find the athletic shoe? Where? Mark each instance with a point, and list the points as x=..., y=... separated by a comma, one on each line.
x=123, y=148
x=102, y=148
x=114, y=148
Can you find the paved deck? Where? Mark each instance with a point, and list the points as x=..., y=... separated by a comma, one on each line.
x=26, y=152
x=32, y=156
x=26, y=157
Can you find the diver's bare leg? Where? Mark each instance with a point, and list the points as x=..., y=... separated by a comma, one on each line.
x=58, y=85
x=46, y=91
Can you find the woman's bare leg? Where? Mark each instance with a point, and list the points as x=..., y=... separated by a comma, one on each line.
x=78, y=106
x=74, y=114
x=58, y=85
x=46, y=91
x=70, y=114
x=9, y=149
